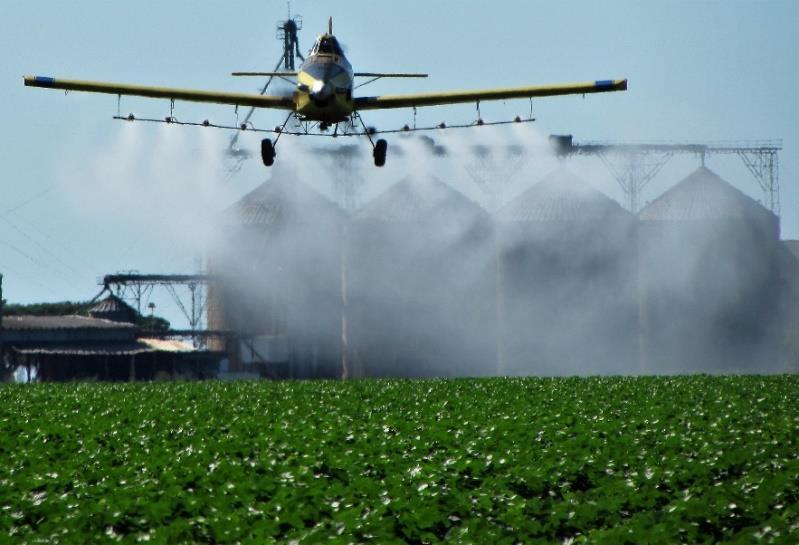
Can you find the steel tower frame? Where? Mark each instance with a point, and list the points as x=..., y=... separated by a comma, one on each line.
x=635, y=165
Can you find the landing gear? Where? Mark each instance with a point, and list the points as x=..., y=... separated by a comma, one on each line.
x=379, y=153
x=378, y=148
x=267, y=152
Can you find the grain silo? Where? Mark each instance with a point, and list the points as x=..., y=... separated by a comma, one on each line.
x=566, y=281
x=420, y=290
x=708, y=273
x=786, y=337
x=278, y=256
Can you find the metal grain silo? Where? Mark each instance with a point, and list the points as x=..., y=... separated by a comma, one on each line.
x=420, y=290
x=786, y=332
x=566, y=289
x=708, y=272
x=278, y=256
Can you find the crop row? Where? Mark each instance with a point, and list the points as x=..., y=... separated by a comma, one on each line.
x=602, y=460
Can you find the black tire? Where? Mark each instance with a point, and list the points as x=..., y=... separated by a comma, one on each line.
x=379, y=152
x=267, y=152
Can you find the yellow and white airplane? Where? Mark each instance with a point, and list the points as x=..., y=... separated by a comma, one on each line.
x=324, y=94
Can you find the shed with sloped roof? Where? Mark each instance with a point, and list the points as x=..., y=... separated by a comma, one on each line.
x=62, y=348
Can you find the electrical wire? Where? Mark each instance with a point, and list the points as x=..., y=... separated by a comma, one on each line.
x=41, y=247
x=26, y=202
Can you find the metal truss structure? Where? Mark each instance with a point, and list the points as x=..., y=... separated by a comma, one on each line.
x=342, y=164
x=635, y=165
x=188, y=291
x=485, y=169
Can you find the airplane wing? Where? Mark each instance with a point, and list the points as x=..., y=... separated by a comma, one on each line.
x=269, y=74
x=217, y=97
x=432, y=99
x=389, y=75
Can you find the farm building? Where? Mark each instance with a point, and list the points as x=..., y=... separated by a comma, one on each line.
x=787, y=332
x=421, y=281
x=278, y=255
x=304, y=305
x=567, y=282
x=420, y=284
x=62, y=348
x=709, y=279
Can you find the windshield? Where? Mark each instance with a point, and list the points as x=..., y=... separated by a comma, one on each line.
x=327, y=45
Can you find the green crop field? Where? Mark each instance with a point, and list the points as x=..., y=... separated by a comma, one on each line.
x=599, y=460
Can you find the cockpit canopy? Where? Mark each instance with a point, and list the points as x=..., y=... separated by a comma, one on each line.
x=327, y=45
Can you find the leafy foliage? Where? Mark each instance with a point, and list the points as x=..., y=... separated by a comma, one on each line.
x=599, y=460
x=61, y=308
x=152, y=323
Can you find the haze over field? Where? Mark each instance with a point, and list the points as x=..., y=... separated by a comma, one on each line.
x=582, y=288
x=91, y=196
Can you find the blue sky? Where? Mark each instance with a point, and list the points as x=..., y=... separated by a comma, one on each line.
x=698, y=71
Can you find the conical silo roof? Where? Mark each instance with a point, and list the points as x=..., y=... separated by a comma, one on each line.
x=561, y=197
x=704, y=195
x=419, y=199
x=280, y=200
x=113, y=308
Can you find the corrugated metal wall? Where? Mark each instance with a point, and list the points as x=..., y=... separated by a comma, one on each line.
x=422, y=282
x=420, y=288
x=709, y=279
x=567, y=281
x=279, y=258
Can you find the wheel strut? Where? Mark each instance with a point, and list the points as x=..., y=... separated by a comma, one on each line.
x=268, y=152
x=379, y=148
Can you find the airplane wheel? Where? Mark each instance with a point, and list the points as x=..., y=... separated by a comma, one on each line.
x=379, y=152
x=267, y=152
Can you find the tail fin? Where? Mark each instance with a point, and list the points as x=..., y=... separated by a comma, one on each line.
x=330, y=26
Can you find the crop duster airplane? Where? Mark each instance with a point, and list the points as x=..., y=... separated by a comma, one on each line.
x=324, y=95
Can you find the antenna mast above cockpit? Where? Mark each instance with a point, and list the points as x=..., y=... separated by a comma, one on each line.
x=287, y=32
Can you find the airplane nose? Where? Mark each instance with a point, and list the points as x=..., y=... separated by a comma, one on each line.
x=321, y=89
x=321, y=93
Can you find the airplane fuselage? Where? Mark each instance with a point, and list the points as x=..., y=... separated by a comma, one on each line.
x=324, y=83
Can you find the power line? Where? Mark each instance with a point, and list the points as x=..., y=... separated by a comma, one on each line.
x=40, y=246
x=26, y=202
x=34, y=261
